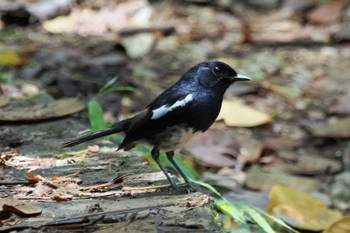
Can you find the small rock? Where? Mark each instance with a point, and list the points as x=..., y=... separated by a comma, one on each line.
x=29, y=89
x=340, y=190
x=138, y=45
x=110, y=59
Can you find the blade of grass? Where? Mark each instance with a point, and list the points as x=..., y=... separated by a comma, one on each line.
x=239, y=210
x=96, y=116
x=111, y=89
x=107, y=85
x=229, y=209
x=189, y=170
x=107, y=88
x=275, y=219
x=207, y=186
x=258, y=218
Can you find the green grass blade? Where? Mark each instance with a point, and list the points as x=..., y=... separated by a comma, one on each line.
x=111, y=89
x=230, y=210
x=189, y=170
x=96, y=116
x=207, y=186
x=106, y=86
x=258, y=218
x=276, y=220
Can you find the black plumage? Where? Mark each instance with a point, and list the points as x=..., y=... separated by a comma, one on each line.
x=176, y=116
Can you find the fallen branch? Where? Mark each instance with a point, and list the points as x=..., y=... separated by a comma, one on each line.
x=84, y=218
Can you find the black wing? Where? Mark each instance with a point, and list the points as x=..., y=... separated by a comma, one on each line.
x=145, y=125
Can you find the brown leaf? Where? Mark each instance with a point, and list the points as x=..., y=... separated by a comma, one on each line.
x=307, y=164
x=34, y=177
x=338, y=128
x=64, y=178
x=38, y=178
x=250, y=148
x=17, y=206
x=327, y=13
x=55, y=109
x=258, y=179
x=212, y=147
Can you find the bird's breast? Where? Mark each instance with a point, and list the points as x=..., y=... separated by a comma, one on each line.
x=175, y=137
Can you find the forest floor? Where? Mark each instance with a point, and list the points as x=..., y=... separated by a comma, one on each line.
x=289, y=127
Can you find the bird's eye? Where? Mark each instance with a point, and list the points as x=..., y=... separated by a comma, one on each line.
x=216, y=70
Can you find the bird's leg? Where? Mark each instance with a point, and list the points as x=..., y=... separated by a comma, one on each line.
x=155, y=156
x=170, y=157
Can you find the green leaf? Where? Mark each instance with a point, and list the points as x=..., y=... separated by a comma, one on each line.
x=276, y=220
x=258, y=218
x=107, y=85
x=96, y=116
x=230, y=210
x=111, y=89
x=242, y=212
x=189, y=170
x=207, y=186
x=107, y=88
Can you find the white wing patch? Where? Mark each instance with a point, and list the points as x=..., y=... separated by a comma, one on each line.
x=161, y=111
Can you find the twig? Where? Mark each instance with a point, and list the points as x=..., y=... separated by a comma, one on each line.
x=77, y=219
x=164, y=29
x=15, y=182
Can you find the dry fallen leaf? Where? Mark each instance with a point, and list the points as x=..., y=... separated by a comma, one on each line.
x=339, y=128
x=259, y=179
x=340, y=226
x=300, y=209
x=213, y=147
x=12, y=58
x=236, y=114
x=331, y=9
x=305, y=163
x=17, y=206
x=33, y=177
x=285, y=91
x=55, y=109
x=250, y=149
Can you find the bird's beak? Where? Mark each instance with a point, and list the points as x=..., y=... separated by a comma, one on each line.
x=240, y=77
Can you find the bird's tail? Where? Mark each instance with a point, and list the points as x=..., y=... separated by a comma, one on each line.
x=118, y=127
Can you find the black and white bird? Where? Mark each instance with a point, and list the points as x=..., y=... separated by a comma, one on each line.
x=178, y=115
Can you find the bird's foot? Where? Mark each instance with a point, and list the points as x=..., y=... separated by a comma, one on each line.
x=178, y=188
x=186, y=188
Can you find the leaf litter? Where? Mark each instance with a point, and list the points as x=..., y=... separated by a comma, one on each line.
x=294, y=87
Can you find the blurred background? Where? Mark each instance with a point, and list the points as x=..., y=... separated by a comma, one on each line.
x=290, y=126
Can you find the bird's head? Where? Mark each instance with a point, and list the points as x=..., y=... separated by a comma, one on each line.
x=217, y=74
